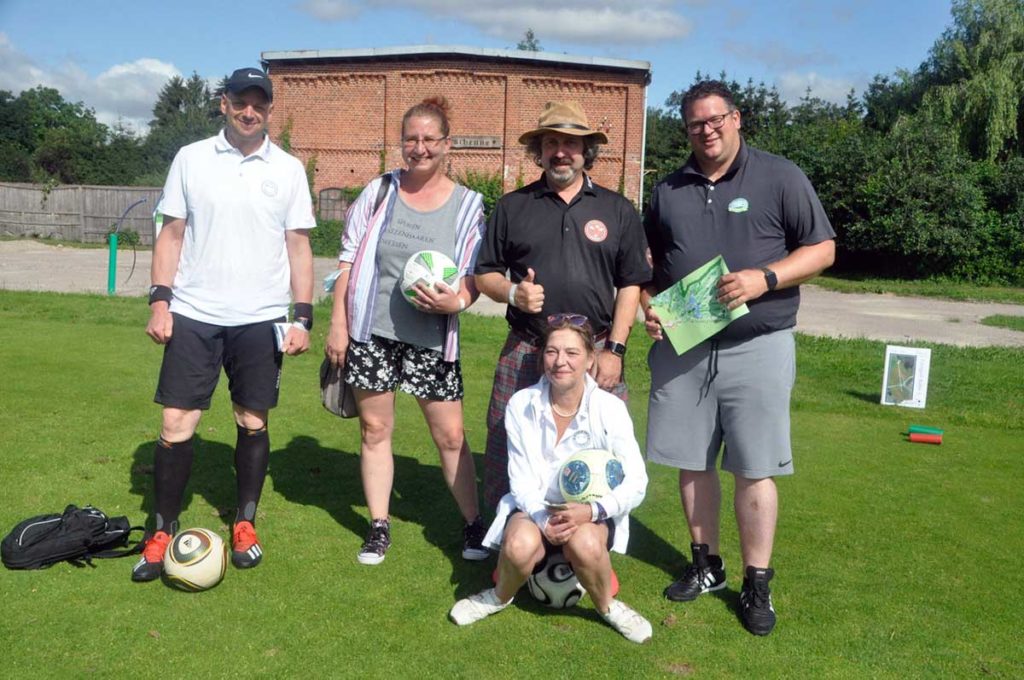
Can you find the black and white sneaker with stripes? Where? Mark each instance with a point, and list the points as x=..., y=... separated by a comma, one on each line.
x=705, y=574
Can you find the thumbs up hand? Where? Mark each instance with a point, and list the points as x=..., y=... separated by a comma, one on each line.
x=529, y=296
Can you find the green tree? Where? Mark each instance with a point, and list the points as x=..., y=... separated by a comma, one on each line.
x=975, y=76
x=16, y=139
x=529, y=43
x=185, y=111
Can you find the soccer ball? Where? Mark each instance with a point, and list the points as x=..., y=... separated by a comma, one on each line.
x=589, y=474
x=554, y=583
x=195, y=560
x=428, y=267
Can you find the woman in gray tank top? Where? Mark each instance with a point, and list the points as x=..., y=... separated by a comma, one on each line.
x=384, y=342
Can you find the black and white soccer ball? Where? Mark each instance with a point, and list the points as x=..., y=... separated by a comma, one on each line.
x=195, y=560
x=554, y=583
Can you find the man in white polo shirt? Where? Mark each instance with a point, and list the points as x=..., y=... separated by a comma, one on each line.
x=235, y=240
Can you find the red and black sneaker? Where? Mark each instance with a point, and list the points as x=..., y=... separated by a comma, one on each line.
x=246, y=551
x=151, y=564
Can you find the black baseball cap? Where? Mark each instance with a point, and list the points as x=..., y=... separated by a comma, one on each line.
x=244, y=78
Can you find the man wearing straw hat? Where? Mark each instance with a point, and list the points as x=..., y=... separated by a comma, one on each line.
x=560, y=247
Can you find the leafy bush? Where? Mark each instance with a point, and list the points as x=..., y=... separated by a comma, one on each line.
x=490, y=185
x=326, y=238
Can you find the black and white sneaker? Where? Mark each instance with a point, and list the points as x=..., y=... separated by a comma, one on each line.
x=705, y=574
x=473, y=541
x=377, y=542
x=756, y=609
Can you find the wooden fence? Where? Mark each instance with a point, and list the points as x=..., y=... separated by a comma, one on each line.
x=75, y=212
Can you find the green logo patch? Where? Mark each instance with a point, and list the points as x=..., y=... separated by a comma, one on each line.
x=738, y=205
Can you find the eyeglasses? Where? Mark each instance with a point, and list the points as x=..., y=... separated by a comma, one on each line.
x=696, y=127
x=567, y=319
x=429, y=142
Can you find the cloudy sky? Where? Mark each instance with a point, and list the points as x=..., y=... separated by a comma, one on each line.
x=115, y=55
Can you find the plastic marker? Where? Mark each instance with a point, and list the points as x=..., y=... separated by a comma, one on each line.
x=919, y=438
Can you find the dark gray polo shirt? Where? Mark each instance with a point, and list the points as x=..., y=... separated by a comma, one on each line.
x=763, y=208
x=580, y=252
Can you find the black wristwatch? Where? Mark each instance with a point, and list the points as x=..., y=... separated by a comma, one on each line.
x=616, y=348
x=770, y=279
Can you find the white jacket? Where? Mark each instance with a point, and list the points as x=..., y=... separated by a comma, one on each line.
x=535, y=457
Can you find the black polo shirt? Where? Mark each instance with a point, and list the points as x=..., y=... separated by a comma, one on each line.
x=763, y=208
x=580, y=252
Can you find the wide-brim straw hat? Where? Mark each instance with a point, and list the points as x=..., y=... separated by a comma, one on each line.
x=567, y=118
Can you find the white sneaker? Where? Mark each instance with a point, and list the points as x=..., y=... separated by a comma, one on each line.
x=476, y=607
x=634, y=627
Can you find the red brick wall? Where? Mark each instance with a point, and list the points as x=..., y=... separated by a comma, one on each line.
x=349, y=113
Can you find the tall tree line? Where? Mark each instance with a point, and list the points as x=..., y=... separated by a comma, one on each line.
x=923, y=175
x=45, y=139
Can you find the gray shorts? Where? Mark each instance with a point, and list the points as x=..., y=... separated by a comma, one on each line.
x=736, y=393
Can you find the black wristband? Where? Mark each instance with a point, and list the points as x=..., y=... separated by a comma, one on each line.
x=158, y=293
x=304, y=314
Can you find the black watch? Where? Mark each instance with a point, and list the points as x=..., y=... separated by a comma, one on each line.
x=304, y=322
x=616, y=348
x=770, y=279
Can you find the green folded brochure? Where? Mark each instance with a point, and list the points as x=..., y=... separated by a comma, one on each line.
x=689, y=309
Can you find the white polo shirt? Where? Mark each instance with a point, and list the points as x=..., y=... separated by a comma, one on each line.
x=233, y=268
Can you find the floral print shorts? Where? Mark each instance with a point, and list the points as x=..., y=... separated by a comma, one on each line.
x=384, y=365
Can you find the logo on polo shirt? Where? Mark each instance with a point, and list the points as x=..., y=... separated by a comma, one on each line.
x=595, y=230
x=581, y=438
x=738, y=205
x=269, y=188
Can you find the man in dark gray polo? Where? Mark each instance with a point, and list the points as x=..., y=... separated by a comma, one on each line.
x=761, y=214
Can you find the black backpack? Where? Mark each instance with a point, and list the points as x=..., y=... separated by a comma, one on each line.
x=77, y=535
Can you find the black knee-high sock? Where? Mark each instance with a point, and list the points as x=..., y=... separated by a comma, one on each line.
x=252, y=456
x=172, y=464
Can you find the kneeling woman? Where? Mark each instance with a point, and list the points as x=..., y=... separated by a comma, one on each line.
x=563, y=413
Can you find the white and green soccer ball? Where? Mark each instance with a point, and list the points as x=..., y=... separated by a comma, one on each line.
x=428, y=267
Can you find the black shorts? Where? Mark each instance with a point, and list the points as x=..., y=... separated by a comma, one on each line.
x=197, y=351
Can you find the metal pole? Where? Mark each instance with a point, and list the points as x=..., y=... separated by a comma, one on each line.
x=112, y=260
x=112, y=265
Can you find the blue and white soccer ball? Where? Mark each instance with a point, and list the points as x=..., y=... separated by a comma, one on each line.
x=554, y=583
x=589, y=474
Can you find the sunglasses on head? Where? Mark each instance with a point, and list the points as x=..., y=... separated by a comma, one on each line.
x=567, y=318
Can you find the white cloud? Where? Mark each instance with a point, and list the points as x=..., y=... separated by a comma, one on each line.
x=778, y=56
x=125, y=92
x=569, y=21
x=329, y=10
x=793, y=86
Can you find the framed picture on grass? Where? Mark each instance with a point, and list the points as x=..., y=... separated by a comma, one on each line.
x=905, y=381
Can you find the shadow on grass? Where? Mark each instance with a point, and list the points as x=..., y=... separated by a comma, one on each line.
x=213, y=478
x=650, y=548
x=307, y=473
x=869, y=397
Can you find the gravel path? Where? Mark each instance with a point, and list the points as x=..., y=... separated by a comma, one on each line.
x=30, y=265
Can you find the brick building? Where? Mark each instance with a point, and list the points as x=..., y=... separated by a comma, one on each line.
x=345, y=107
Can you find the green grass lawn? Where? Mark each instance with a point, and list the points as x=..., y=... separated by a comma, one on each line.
x=1014, y=323
x=893, y=559
x=953, y=290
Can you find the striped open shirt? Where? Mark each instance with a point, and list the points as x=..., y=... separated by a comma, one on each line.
x=363, y=229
